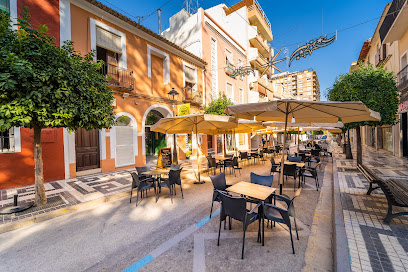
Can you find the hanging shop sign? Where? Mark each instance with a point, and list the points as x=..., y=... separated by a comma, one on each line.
x=310, y=46
x=183, y=109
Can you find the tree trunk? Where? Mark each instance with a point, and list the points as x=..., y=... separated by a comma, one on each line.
x=224, y=146
x=40, y=198
x=359, y=147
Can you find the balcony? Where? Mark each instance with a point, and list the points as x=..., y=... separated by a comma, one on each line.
x=190, y=95
x=403, y=80
x=258, y=17
x=261, y=44
x=117, y=77
x=394, y=24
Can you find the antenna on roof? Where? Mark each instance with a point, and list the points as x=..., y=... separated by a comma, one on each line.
x=191, y=6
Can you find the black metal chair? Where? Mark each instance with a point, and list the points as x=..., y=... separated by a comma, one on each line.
x=277, y=149
x=291, y=170
x=212, y=163
x=219, y=184
x=294, y=159
x=235, y=165
x=141, y=185
x=142, y=169
x=235, y=208
x=261, y=180
x=170, y=182
x=274, y=166
x=310, y=172
x=244, y=156
x=228, y=163
x=276, y=214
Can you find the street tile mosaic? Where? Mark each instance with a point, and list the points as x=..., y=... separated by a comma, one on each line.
x=65, y=193
x=373, y=245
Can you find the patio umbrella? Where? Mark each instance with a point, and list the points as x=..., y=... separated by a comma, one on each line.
x=198, y=123
x=303, y=112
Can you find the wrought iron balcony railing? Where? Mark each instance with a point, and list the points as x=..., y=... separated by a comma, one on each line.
x=403, y=79
x=118, y=77
x=390, y=17
x=192, y=96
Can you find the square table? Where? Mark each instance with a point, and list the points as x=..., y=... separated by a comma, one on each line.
x=298, y=164
x=156, y=173
x=252, y=190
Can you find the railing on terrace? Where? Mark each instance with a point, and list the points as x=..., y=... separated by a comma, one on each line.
x=192, y=96
x=390, y=17
x=403, y=78
x=258, y=7
x=118, y=77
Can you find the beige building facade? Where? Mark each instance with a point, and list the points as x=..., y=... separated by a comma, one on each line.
x=388, y=48
x=301, y=85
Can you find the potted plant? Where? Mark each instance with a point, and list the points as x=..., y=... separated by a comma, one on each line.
x=188, y=154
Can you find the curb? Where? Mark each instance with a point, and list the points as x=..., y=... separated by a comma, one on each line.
x=63, y=211
x=340, y=244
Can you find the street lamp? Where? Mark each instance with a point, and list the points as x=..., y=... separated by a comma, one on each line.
x=173, y=96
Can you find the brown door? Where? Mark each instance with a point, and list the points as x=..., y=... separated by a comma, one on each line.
x=87, y=149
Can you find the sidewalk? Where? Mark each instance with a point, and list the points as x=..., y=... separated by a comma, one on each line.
x=373, y=245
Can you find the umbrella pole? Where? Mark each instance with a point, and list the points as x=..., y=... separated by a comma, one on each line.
x=198, y=161
x=283, y=151
x=298, y=140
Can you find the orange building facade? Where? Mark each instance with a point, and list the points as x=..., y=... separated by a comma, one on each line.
x=141, y=68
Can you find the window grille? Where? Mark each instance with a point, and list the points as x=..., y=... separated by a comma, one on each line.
x=7, y=141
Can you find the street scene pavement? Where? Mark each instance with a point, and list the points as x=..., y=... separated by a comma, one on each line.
x=176, y=237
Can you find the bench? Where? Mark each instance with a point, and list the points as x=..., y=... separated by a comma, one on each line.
x=396, y=192
x=370, y=177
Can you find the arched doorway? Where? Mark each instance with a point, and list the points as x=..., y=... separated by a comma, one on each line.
x=153, y=140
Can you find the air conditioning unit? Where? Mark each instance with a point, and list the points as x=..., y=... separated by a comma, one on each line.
x=251, y=85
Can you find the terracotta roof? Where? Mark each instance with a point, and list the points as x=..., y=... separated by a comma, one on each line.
x=139, y=26
x=364, y=50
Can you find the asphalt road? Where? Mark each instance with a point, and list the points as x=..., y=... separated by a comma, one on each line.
x=116, y=235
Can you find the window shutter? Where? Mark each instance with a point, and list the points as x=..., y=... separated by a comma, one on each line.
x=124, y=146
x=190, y=74
x=108, y=40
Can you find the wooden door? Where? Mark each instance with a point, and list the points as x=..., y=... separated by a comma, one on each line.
x=87, y=149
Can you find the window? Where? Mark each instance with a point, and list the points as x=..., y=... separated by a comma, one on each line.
x=190, y=81
x=214, y=68
x=229, y=91
x=7, y=141
x=229, y=60
x=241, y=139
x=308, y=79
x=241, y=95
x=5, y=5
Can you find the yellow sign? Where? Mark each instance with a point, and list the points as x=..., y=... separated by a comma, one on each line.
x=183, y=109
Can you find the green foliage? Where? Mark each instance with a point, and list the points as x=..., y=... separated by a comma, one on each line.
x=317, y=132
x=376, y=88
x=44, y=85
x=151, y=118
x=218, y=106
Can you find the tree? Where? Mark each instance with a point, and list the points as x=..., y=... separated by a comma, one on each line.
x=43, y=85
x=376, y=88
x=217, y=107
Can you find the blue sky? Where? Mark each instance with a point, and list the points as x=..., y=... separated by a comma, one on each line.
x=292, y=22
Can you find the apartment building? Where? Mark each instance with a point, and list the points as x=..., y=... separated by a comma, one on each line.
x=141, y=67
x=301, y=85
x=388, y=48
x=227, y=38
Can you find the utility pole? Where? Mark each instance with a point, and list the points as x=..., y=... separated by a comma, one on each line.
x=159, y=13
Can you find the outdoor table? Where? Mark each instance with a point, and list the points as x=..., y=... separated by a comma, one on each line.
x=156, y=173
x=255, y=191
x=298, y=164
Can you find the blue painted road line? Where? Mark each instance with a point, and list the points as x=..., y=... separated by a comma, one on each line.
x=205, y=220
x=168, y=244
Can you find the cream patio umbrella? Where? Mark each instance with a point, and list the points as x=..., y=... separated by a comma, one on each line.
x=303, y=112
x=197, y=123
